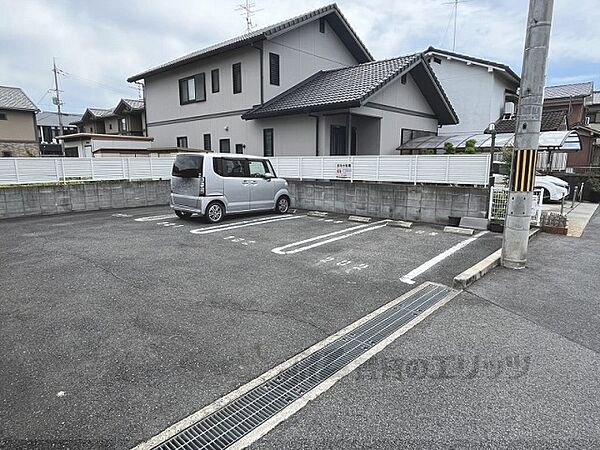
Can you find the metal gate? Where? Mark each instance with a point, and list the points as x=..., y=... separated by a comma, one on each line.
x=499, y=203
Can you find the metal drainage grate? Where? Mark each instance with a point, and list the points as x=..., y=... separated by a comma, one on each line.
x=230, y=423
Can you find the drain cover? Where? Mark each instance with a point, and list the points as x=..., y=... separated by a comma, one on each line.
x=230, y=423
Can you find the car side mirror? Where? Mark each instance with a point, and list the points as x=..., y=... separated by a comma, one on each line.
x=268, y=176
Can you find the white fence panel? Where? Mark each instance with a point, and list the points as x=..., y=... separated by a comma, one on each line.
x=36, y=170
x=365, y=168
x=394, y=168
x=108, y=169
x=76, y=167
x=162, y=168
x=139, y=168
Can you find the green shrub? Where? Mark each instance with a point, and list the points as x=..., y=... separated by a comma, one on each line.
x=594, y=184
x=470, y=148
x=449, y=148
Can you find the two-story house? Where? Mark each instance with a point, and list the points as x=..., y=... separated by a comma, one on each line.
x=128, y=118
x=480, y=90
x=18, y=130
x=305, y=86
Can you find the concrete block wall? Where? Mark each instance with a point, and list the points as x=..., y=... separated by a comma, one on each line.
x=420, y=203
x=17, y=201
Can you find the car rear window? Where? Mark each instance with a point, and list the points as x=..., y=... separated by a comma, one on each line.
x=188, y=166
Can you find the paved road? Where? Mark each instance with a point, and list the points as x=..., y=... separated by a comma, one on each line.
x=512, y=363
x=112, y=328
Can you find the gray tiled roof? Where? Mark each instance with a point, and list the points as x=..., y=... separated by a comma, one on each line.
x=100, y=113
x=551, y=121
x=342, y=25
x=15, y=98
x=474, y=59
x=134, y=104
x=569, y=90
x=50, y=119
x=337, y=87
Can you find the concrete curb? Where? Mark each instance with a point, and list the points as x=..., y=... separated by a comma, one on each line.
x=459, y=230
x=359, y=219
x=399, y=224
x=474, y=273
x=317, y=214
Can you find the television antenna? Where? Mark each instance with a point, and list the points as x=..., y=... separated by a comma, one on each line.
x=248, y=11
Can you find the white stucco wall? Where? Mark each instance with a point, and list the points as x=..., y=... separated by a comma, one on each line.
x=162, y=90
x=303, y=52
x=476, y=93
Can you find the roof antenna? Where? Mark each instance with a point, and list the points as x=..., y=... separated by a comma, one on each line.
x=455, y=7
x=248, y=11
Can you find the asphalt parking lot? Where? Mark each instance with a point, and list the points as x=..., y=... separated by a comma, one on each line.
x=116, y=324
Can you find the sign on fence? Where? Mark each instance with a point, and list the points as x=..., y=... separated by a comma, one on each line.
x=343, y=170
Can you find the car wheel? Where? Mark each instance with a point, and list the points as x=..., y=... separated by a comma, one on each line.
x=546, y=195
x=283, y=205
x=214, y=212
x=183, y=214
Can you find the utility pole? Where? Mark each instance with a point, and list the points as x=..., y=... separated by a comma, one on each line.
x=58, y=102
x=529, y=116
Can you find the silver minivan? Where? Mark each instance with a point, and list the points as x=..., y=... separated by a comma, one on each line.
x=214, y=185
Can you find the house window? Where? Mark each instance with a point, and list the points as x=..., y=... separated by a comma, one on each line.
x=322, y=25
x=239, y=149
x=182, y=142
x=123, y=124
x=71, y=152
x=207, y=142
x=110, y=126
x=214, y=80
x=3, y=116
x=268, y=144
x=236, y=70
x=192, y=89
x=224, y=146
x=408, y=135
x=403, y=79
x=274, y=69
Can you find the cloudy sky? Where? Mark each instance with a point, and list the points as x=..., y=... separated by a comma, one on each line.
x=99, y=44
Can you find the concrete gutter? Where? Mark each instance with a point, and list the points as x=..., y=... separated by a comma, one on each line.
x=474, y=273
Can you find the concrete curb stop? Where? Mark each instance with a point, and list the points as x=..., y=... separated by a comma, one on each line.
x=459, y=230
x=399, y=224
x=474, y=273
x=359, y=219
x=317, y=214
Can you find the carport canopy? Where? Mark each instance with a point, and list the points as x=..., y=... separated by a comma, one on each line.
x=549, y=140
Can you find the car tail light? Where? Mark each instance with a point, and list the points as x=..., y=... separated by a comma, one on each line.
x=202, y=186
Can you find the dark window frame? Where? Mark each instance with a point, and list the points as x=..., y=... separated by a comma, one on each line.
x=207, y=138
x=3, y=116
x=337, y=140
x=199, y=95
x=269, y=153
x=182, y=139
x=236, y=77
x=215, y=75
x=274, y=69
x=239, y=149
x=322, y=25
x=221, y=142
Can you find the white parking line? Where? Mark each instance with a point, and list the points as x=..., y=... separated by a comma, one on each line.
x=346, y=233
x=151, y=218
x=241, y=224
x=410, y=276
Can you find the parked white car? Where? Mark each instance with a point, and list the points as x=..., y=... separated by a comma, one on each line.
x=553, y=188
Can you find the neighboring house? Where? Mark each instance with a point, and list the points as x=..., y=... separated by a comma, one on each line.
x=480, y=90
x=49, y=125
x=575, y=99
x=128, y=118
x=305, y=86
x=18, y=131
x=553, y=120
x=87, y=145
